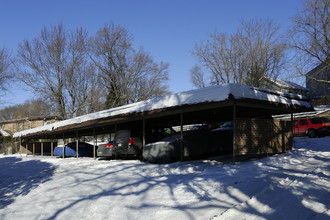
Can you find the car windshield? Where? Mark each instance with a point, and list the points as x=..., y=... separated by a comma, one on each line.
x=172, y=137
x=196, y=127
x=122, y=134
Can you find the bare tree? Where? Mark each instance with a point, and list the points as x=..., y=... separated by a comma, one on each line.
x=254, y=52
x=310, y=38
x=55, y=66
x=5, y=64
x=81, y=80
x=127, y=75
x=41, y=64
x=197, y=77
x=29, y=108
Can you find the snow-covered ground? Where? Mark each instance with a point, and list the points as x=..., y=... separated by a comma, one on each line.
x=294, y=185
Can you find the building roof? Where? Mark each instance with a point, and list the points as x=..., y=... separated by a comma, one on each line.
x=201, y=97
x=287, y=84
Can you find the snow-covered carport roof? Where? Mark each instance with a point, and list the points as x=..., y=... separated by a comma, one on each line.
x=214, y=102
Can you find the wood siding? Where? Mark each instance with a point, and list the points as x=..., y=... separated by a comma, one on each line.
x=263, y=136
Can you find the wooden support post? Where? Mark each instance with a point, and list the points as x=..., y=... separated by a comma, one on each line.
x=181, y=136
x=63, y=147
x=34, y=148
x=95, y=138
x=26, y=147
x=282, y=124
x=77, y=143
x=42, y=147
x=51, y=148
x=234, y=133
x=143, y=132
x=20, y=145
x=292, y=131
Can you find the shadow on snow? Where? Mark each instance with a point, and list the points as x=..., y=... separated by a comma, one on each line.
x=285, y=192
x=19, y=177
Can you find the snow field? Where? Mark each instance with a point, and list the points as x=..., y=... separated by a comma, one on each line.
x=294, y=185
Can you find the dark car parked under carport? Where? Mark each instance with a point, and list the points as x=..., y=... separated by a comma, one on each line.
x=196, y=144
x=105, y=150
x=128, y=142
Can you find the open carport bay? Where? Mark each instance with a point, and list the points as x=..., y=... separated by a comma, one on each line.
x=293, y=185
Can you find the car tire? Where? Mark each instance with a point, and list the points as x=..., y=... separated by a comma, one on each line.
x=140, y=157
x=311, y=133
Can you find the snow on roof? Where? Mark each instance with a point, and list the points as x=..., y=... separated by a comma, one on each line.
x=4, y=133
x=204, y=95
x=287, y=84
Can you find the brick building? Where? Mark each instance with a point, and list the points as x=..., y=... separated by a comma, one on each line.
x=16, y=125
x=9, y=127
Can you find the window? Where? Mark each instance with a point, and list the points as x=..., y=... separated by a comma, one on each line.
x=47, y=122
x=316, y=120
x=303, y=122
x=295, y=123
x=168, y=130
x=20, y=126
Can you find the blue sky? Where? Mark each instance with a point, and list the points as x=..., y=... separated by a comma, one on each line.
x=167, y=29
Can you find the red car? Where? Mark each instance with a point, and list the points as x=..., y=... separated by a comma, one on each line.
x=312, y=127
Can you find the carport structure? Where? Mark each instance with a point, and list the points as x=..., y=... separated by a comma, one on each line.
x=212, y=104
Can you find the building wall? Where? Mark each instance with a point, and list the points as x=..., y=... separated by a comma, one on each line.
x=8, y=147
x=263, y=136
x=9, y=127
x=318, y=89
x=11, y=146
x=19, y=125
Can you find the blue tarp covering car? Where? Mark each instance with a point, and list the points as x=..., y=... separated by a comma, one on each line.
x=84, y=150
